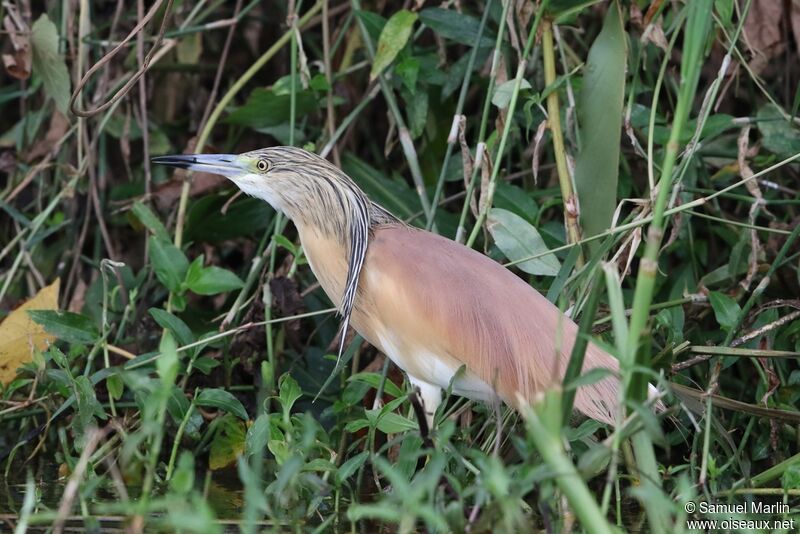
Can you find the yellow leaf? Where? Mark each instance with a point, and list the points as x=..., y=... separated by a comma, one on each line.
x=228, y=442
x=19, y=335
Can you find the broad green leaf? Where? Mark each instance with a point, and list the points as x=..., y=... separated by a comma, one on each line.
x=88, y=407
x=195, y=269
x=67, y=326
x=150, y=220
x=726, y=310
x=319, y=465
x=281, y=240
x=408, y=71
x=777, y=134
x=59, y=357
x=600, y=119
x=454, y=77
x=228, y=442
x=515, y=199
x=373, y=23
x=395, y=196
x=567, y=10
x=417, y=109
x=503, y=93
x=791, y=477
x=374, y=380
x=394, y=37
x=724, y=10
x=319, y=83
x=182, y=480
x=174, y=324
x=390, y=422
x=213, y=280
x=177, y=404
x=178, y=302
x=347, y=469
x=245, y=217
x=169, y=263
x=289, y=392
x=455, y=26
x=518, y=239
x=714, y=125
x=205, y=364
x=122, y=127
x=353, y=393
x=219, y=398
x=280, y=449
x=48, y=63
x=167, y=361
x=595, y=459
x=264, y=108
x=190, y=48
x=258, y=435
x=410, y=452
x=115, y=386
x=358, y=424
x=383, y=512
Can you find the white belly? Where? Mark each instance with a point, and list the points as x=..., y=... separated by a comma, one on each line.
x=432, y=369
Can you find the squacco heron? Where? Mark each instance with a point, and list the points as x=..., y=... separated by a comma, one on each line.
x=430, y=304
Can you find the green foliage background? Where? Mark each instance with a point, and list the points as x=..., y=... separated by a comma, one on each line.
x=194, y=384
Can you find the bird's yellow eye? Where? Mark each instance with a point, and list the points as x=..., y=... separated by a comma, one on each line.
x=262, y=165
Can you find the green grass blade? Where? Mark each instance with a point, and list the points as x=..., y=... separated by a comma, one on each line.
x=600, y=119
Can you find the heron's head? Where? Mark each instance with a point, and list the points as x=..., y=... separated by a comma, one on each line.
x=301, y=184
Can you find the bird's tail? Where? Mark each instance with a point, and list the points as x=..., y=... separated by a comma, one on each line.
x=600, y=400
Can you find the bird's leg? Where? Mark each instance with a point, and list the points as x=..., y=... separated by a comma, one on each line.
x=419, y=411
x=425, y=399
x=431, y=396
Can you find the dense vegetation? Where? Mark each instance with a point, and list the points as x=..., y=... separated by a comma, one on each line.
x=173, y=364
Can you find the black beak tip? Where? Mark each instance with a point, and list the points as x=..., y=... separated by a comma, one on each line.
x=181, y=162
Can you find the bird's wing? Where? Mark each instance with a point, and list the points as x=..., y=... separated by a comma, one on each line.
x=430, y=296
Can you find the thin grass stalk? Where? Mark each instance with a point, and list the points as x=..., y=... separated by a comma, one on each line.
x=226, y=99
x=695, y=31
x=36, y=224
x=330, y=121
x=566, y=476
x=480, y=146
x=773, y=267
x=512, y=106
x=773, y=473
x=571, y=214
x=672, y=211
x=696, y=26
x=279, y=219
x=252, y=275
x=173, y=455
x=402, y=130
x=462, y=97
x=715, y=363
x=651, y=125
x=708, y=101
x=202, y=138
x=348, y=120
x=579, y=349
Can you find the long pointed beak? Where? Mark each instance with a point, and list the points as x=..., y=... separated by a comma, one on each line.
x=224, y=164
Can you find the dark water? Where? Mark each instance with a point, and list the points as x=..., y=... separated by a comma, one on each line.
x=224, y=495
